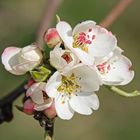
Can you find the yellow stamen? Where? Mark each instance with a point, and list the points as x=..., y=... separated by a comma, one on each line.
x=68, y=85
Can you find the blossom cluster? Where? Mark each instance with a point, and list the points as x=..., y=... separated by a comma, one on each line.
x=64, y=79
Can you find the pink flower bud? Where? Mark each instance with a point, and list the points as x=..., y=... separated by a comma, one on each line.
x=50, y=112
x=30, y=83
x=52, y=38
x=28, y=107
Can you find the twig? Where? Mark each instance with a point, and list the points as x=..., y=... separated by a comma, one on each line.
x=13, y=95
x=46, y=123
x=50, y=11
x=115, y=13
x=6, y=113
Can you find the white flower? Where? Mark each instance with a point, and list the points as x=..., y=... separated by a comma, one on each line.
x=115, y=69
x=87, y=40
x=74, y=91
x=62, y=59
x=20, y=60
x=38, y=96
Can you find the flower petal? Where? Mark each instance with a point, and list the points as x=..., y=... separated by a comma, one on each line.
x=65, y=32
x=31, y=53
x=52, y=84
x=84, y=26
x=92, y=100
x=45, y=105
x=78, y=105
x=25, y=66
x=37, y=97
x=119, y=72
x=103, y=44
x=100, y=60
x=64, y=111
x=9, y=58
x=83, y=56
x=87, y=78
x=35, y=92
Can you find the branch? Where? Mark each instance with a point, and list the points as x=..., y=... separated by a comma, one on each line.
x=6, y=113
x=115, y=13
x=46, y=123
x=50, y=11
x=13, y=95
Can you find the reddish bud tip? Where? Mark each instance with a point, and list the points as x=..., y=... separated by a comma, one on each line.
x=52, y=38
x=50, y=112
x=28, y=107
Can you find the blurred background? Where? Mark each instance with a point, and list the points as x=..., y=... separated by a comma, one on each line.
x=118, y=118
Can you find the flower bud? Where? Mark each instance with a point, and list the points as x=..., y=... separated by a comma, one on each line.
x=50, y=112
x=52, y=38
x=31, y=56
x=28, y=107
x=18, y=61
x=62, y=60
x=30, y=83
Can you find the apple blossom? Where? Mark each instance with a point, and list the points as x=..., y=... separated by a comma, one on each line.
x=18, y=61
x=87, y=40
x=38, y=96
x=115, y=69
x=74, y=91
x=62, y=59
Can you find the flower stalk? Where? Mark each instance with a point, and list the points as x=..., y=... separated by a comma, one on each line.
x=47, y=136
x=46, y=123
x=49, y=130
x=122, y=92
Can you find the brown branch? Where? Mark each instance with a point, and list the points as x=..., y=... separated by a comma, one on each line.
x=50, y=11
x=115, y=13
x=6, y=103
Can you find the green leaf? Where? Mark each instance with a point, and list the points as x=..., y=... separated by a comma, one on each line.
x=40, y=74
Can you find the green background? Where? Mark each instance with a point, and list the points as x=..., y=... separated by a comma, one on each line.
x=118, y=118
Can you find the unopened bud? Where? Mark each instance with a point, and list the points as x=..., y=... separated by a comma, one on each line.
x=52, y=38
x=50, y=112
x=28, y=107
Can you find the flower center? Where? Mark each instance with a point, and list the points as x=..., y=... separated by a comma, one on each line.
x=103, y=68
x=67, y=57
x=68, y=84
x=83, y=40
